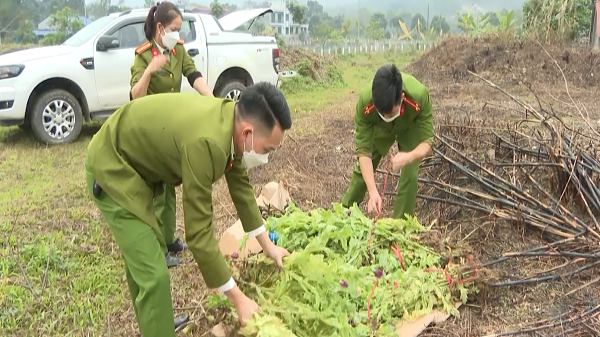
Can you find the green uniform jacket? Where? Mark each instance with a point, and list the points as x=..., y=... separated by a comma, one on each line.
x=369, y=127
x=140, y=146
x=168, y=79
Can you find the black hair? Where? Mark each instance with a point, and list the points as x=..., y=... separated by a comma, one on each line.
x=164, y=12
x=387, y=88
x=265, y=103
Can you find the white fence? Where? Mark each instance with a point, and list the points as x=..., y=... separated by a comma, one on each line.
x=351, y=47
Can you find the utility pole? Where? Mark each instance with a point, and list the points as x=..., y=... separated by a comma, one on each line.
x=428, y=16
x=358, y=20
x=594, y=26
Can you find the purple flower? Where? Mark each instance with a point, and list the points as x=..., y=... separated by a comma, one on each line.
x=349, y=212
x=378, y=273
x=343, y=283
x=234, y=255
x=393, y=324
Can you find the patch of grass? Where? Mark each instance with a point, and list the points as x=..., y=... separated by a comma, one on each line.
x=59, y=270
x=355, y=71
x=56, y=282
x=6, y=48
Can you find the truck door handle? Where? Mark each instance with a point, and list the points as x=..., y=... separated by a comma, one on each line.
x=193, y=52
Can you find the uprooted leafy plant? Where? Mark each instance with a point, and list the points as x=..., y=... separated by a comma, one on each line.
x=337, y=284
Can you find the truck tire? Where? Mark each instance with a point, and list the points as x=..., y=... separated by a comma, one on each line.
x=56, y=118
x=232, y=90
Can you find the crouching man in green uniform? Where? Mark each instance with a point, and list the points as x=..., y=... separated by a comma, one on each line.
x=190, y=140
x=393, y=108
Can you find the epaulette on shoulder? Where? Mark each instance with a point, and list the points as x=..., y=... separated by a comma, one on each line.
x=181, y=41
x=411, y=103
x=143, y=48
x=370, y=107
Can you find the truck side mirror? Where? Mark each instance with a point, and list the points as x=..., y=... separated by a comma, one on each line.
x=107, y=42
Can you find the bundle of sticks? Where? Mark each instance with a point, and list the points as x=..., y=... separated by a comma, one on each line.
x=535, y=171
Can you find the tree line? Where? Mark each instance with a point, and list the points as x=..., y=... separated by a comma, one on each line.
x=19, y=19
x=559, y=19
x=564, y=19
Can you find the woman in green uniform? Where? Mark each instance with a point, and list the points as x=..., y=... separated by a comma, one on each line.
x=159, y=67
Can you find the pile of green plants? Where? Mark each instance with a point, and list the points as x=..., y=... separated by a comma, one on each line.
x=314, y=71
x=336, y=283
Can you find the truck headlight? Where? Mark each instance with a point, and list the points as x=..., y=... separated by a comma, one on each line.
x=10, y=71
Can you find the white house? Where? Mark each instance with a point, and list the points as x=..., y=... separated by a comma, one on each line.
x=281, y=18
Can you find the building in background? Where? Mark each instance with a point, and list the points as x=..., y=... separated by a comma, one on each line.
x=205, y=10
x=281, y=19
x=44, y=28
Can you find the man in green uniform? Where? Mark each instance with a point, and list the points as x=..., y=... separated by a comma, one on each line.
x=193, y=141
x=393, y=108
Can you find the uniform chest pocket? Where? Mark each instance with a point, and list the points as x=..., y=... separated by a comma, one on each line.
x=164, y=74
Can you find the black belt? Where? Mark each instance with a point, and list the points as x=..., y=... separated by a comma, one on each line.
x=96, y=189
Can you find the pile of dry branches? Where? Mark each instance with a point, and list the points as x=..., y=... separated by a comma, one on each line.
x=538, y=172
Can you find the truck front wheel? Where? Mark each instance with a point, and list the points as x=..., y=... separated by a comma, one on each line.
x=232, y=90
x=57, y=117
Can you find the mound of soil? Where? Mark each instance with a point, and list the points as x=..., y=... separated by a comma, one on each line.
x=508, y=60
x=307, y=63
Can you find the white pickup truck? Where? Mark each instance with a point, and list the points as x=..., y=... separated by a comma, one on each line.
x=55, y=89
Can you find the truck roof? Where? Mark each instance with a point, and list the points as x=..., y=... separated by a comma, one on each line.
x=227, y=23
x=144, y=12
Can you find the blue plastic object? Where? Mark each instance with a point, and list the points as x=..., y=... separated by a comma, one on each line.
x=273, y=236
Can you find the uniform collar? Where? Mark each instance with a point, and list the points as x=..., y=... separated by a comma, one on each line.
x=231, y=157
x=232, y=151
x=160, y=49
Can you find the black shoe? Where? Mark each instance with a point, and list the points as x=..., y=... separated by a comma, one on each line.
x=177, y=246
x=181, y=321
x=172, y=261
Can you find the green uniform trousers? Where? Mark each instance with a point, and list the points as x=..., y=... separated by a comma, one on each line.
x=165, y=210
x=406, y=195
x=145, y=267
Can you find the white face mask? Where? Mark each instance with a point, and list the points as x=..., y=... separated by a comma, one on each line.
x=252, y=159
x=170, y=39
x=391, y=119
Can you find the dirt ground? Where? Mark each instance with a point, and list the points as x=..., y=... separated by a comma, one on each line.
x=316, y=163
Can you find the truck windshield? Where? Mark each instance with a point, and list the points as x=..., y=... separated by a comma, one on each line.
x=218, y=24
x=88, y=31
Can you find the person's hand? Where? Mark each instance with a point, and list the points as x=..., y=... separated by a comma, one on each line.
x=276, y=254
x=157, y=63
x=244, y=306
x=374, y=204
x=400, y=160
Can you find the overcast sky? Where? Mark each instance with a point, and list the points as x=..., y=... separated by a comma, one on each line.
x=443, y=7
